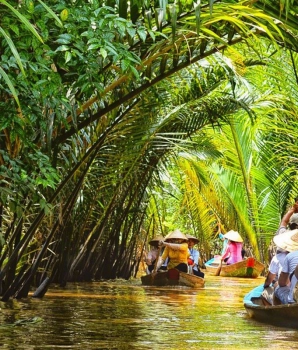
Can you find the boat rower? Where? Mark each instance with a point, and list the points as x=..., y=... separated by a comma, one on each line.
x=176, y=250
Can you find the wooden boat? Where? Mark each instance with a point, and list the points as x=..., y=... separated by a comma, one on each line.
x=248, y=268
x=173, y=277
x=282, y=315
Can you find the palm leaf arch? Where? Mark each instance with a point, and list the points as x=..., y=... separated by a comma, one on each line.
x=163, y=58
x=111, y=127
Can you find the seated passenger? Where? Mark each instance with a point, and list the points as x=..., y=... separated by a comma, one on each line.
x=152, y=254
x=193, y=260
x=286, y=289
x=272, y=276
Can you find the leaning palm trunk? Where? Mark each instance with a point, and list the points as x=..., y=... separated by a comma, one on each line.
x=22, y=291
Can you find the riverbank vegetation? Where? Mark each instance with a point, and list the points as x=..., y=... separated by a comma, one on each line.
x=123, y=120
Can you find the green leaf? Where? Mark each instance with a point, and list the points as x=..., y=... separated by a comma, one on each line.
x=67, y=56
x=135, y=72
x=10, y=85
x=131, y=31
x=197, y=6
x=50, y=11
x=14, y=50
x=2, y=240
x=103, y=52
x=111, y=48
x=94, y=46
x=142, y=34
x=62, y=48
x=211, y=6
x=151, y=33
x=62, y=41
x=23, y=19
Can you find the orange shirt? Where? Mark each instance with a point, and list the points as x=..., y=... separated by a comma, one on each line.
x=177, y=253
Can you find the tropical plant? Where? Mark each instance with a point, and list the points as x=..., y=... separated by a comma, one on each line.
x=96, y=104
x=238, y=177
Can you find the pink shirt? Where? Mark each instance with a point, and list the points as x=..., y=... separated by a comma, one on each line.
x=233, y=251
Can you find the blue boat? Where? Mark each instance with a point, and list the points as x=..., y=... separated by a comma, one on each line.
x=285, y=315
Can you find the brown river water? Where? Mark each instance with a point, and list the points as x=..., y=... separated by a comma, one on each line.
x=126, y=315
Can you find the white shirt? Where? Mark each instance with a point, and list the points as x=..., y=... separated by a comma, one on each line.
x=276, y=263
x=289, y=265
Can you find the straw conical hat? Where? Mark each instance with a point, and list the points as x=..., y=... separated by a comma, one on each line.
x=233, y=236
x=287, y=240
x=193, y=238
x=154, y=241
x=176, y=234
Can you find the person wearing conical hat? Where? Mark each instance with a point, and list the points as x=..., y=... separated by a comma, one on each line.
x=193, y=260
x=176, y=250
x=287, y=289
x=153, y=253
x=288, y=222
x=233, y=249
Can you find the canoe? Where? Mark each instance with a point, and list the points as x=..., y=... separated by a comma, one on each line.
x=173, y=277
x=248, y=268
x=282, y=315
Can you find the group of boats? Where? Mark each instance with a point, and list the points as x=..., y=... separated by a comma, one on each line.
x=248, y=268
x=254, y=304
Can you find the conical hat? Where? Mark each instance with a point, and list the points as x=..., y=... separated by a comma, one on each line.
x=193, y=238
x=156, y=239
x=176, y=234
x=287, y=240
x=233, y=236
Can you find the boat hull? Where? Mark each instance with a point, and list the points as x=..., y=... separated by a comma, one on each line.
x=282, y=315
x=173, y=277
x=248, y=268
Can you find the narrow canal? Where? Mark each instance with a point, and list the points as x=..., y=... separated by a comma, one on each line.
x=126, y=315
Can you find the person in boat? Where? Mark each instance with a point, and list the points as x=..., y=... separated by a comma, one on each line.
x=289, y=221
x=233, y=249
x=286, y=290
x=153, y=253
x=176, y=250
x=193, y=260
x=272, y=276
x=225, y=242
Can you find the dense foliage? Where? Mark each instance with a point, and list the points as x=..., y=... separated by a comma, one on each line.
x=98, y=100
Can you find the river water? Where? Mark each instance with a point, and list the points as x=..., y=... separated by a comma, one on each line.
x=126, y=315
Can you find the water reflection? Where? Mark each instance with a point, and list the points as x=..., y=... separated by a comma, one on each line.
x=125, y=315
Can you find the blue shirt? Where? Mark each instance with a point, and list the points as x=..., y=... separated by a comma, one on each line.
x=195, y=255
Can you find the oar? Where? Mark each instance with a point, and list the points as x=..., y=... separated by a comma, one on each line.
x=217, y=273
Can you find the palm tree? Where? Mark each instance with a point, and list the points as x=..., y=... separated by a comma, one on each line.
x=107, y=147
x=242, y=181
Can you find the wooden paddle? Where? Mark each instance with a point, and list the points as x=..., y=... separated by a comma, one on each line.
x=217, y=273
